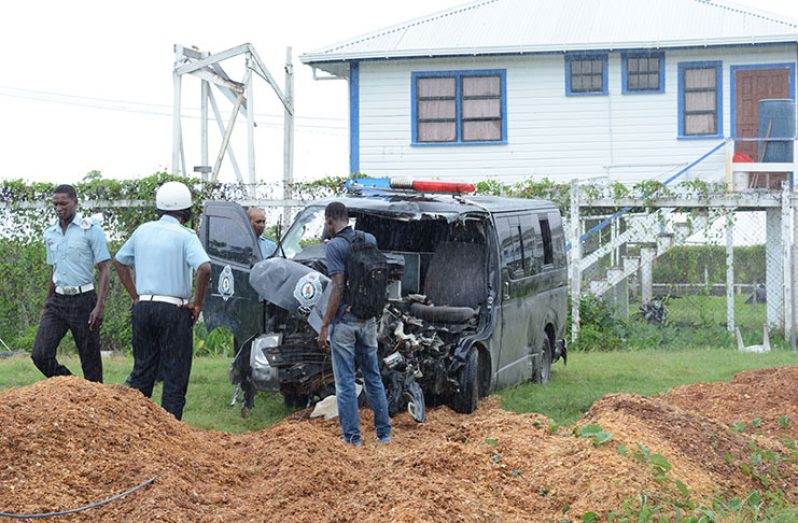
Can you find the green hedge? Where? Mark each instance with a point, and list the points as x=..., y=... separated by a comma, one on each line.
x=24, y=272
x=23, y=284
x=694, y=264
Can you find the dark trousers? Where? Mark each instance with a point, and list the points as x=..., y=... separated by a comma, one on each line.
x=162, y=337
x=62, y=314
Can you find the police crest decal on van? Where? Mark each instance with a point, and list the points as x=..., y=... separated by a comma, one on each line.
x=308, y=291
x=226, y=283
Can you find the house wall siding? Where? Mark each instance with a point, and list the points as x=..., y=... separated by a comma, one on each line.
x=626, y=137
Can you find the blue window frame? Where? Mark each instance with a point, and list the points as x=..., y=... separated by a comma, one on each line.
x=585, y=74
x=700, y=100
x=459, y=107
x=643, y=72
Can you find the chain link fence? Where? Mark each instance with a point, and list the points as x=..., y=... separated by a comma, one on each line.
x=698, y=266
x=26, y=210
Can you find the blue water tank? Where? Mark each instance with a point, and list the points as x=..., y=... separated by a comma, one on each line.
x=777, y=130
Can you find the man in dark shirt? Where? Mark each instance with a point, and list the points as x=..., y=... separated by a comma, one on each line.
x=354, y=340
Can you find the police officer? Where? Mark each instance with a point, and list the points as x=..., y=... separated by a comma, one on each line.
x=164, y=253
x=257, y=218
x=74, y=247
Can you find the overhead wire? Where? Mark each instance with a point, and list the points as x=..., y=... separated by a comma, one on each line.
x=151, y=108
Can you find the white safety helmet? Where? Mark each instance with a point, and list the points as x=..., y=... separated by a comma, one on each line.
x=172, y=196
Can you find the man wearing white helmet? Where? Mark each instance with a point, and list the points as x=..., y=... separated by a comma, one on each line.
x=164, y=253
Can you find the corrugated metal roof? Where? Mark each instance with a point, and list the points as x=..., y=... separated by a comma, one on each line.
x=534, y=26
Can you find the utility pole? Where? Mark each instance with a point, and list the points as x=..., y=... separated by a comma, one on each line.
x=288, y=133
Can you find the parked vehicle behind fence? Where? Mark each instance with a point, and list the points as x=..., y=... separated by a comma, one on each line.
x=477, y=299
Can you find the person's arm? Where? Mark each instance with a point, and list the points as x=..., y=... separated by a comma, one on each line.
x=201, y=281
x=96, y=315
x=124, y=259
x=127, y=279
x=50, y=290
x=50, y=285
x=197, y=258
x=336, y=295
x=51, y=262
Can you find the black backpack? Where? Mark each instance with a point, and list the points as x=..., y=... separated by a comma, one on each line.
x=366, y=278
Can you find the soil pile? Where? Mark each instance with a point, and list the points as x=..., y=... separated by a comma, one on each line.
x=65, y=442
x=767, y=395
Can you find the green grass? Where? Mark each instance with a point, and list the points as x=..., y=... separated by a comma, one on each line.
x=589, y=376
x=711, y=310
x=691, y=322
x=572, y=391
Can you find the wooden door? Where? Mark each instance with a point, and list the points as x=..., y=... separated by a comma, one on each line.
x=751, y=87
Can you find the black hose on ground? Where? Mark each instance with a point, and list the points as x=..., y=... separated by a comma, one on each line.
x=72, y=511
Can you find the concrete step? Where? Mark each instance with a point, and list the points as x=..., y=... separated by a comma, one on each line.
x=615, y=274
x=599, y=287
x=683, y=229
x=631, y=263
x=638, y=238
x=643, y=244
x=648, y=252
x=664, y=242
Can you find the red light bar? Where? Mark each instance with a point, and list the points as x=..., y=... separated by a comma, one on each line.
x=433, y=186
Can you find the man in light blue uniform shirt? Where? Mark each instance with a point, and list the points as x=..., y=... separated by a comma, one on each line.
x=74, y=247
x=258, y=220
x=164, y=254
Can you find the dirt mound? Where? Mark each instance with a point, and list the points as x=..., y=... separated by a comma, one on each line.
x=704, y=453
x=65, y=442
x=765, y=394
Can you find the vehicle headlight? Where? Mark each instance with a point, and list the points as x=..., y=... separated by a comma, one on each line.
x=268, y=341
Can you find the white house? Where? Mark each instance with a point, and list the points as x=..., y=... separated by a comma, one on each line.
x=625, y=89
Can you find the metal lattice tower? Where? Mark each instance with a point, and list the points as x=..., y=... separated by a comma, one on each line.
x=208, y=68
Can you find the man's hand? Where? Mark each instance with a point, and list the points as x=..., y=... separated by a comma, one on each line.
x=323, y=345
x=195, y=310
x=96, y=317
x=333, y=303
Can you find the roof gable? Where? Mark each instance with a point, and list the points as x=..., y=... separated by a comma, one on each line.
x=534, y=26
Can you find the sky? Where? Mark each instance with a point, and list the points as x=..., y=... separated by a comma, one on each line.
x=87, y=85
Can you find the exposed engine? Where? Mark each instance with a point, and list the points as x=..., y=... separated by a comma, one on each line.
x=416, y=356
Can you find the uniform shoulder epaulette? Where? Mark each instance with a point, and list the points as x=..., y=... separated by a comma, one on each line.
x=86, y=223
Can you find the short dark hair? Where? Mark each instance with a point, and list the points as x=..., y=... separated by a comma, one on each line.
x=337, y=211
x=184, y=214
x=66, y=189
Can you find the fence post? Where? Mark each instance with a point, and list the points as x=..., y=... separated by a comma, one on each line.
x=730, y=270
x=774, y=271
x=790, y=262
x=647, y=255
x=793, y=270
x=576, y=256
x=729, y=155
x=786, y=264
